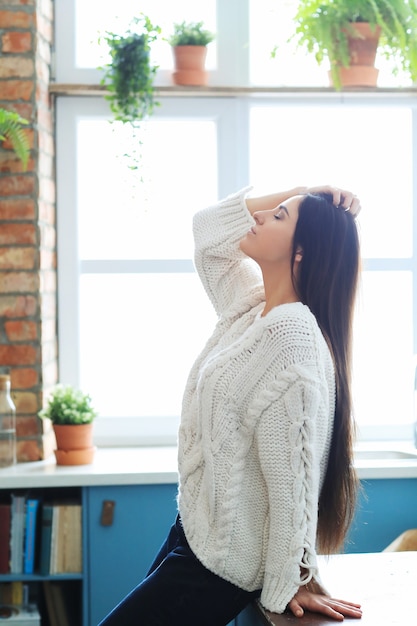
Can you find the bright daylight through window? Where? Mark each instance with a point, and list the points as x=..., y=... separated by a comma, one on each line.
x=132, y=313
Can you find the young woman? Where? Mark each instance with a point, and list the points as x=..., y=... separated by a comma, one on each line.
x=265, y=441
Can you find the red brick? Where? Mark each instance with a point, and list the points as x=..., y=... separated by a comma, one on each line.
x=15, y=41
x=18, y=258
x=25, y=109
x=16, y=209
x=11, y=164
x=16, y=67
x=19, y=282
x=16, y=19
x=12, y=234
x=16, y=89
x=24, y=378
x=27, y=426
x=18, y=306
x=17, y=185
x=18, y=330
x=26, y=402
x=18, y=355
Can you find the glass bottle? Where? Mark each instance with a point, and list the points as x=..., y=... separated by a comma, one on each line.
x=7, y=424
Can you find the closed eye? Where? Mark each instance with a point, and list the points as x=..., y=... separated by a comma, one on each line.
x=281, y=208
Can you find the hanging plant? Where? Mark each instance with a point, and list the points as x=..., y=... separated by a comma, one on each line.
x=129, y=75
x=11, y=129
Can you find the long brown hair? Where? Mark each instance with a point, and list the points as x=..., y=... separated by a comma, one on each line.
x=327, y=279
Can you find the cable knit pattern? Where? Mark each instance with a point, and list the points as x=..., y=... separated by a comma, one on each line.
x=256, y=423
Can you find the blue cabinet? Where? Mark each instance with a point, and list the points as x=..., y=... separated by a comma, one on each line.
x=120, y=554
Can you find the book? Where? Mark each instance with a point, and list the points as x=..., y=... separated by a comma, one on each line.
x=5, y=520
x=45, y=539
x=50, y=604
x=53, y=559
x=30, y=535
x=61, y=603
x=72, y=561
x=66, y=540
x=17, y=533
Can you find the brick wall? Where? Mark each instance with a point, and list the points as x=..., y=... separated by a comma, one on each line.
x=28, y=338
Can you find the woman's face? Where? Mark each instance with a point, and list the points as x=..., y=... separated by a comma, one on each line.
x=269, y=242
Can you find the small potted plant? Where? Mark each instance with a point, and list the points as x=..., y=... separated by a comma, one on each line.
x=72, y=415
x=129, y=75
x=12, y=131
x=189, y=45
x=339, y=30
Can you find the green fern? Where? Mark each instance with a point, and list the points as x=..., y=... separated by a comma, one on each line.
x=323, y=26
x=11, y=128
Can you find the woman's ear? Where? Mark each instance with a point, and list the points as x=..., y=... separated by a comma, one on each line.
x=298, y=255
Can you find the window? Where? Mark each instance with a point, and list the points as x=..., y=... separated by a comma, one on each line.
x=132, y=314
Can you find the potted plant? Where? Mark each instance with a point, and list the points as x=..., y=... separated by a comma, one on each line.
x=12, y=131
x=338, y=30
x=129, y=75
x=72, y=415
x=189, y=45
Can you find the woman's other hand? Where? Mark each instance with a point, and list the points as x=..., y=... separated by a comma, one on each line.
x=320, y=603
x=341, y=197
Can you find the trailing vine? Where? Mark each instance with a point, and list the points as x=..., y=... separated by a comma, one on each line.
x=129, y=75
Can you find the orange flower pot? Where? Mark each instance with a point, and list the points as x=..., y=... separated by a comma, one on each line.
x=190, y=65
x=361, y=71
x=74, y=444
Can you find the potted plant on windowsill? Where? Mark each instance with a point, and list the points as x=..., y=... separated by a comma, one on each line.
x=72, y=416
x=12, y=131
x=189, y=46
x=338, y=30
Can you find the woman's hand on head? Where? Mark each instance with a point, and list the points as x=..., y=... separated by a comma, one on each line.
x=341, y=197
x=320, y=603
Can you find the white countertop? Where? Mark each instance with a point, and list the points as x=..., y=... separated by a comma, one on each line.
x=111, y=466
x=158, y=465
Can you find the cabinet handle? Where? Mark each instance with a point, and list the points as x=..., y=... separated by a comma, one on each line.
x=107, y=512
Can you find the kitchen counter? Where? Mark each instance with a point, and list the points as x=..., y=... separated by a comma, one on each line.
x=158, y=465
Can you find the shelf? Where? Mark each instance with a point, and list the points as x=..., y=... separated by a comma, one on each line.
x=168, y=91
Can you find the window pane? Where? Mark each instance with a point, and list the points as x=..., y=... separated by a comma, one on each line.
x=139, y=337
x=144, y=213
x=271, y=25
x=95, y=17
x=383, y=349
x=343, y=145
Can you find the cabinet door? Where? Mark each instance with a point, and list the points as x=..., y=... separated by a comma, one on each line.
x=119, y=554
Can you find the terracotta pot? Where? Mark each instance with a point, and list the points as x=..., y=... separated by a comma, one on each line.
x=363, y=49
x=74, y=444
x=189, y=65
x=75, y=457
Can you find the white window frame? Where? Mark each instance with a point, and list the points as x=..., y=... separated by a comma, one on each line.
x=231, y=115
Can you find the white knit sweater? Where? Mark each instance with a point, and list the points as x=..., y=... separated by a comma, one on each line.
x=256, y=423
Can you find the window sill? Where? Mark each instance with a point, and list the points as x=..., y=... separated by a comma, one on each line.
x=158, y=465
x=219, y=91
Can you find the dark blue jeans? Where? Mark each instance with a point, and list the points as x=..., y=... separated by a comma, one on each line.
x=179, y=591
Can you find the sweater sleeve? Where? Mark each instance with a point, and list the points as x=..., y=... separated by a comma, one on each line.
x=290, y=453
x=232, y=281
